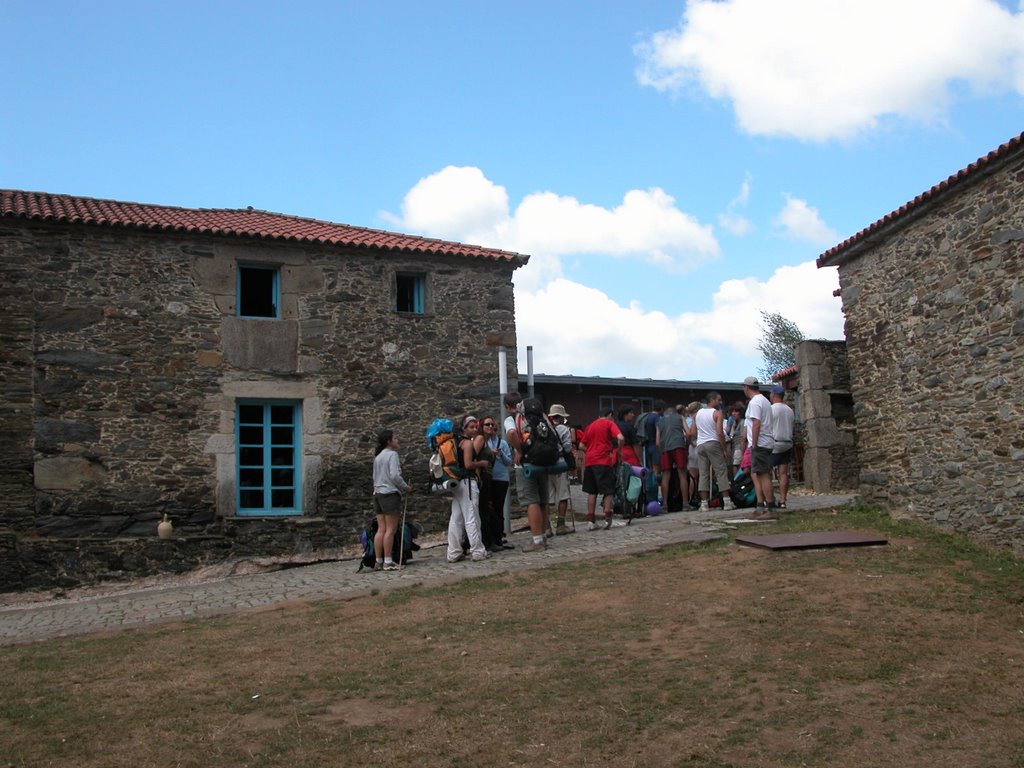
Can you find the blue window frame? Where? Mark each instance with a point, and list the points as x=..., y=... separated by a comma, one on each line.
x=269, y=475
x=410, y=292
x=259, y=291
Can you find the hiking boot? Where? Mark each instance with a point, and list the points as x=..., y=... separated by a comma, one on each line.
x=562, y=530
x=727, y=504
x=458, y=558
x=704, y=507
x=593, y=526
x=378, y=566
x=535, y=546
x=392, y=567
x=548, y=533
x=478, y=556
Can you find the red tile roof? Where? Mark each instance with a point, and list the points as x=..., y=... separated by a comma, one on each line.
x=785, y=372
x=245, y=223
x=847, y=248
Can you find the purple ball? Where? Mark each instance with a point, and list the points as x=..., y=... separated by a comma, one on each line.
x=653, y=508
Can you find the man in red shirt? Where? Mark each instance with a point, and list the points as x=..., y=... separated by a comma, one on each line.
x=602, y=441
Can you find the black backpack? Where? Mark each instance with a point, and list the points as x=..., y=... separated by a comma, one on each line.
x=405, y=535
x=540, y=443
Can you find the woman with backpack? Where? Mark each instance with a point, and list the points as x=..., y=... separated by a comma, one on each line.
x=388, y=487
x=466, y=497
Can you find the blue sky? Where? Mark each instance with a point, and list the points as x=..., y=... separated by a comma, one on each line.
x=673, y=168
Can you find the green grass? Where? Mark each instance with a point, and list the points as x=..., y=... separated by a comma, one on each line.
x=711, y=655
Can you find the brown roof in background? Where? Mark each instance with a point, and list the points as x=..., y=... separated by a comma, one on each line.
x=244, y=222
x=841, y=252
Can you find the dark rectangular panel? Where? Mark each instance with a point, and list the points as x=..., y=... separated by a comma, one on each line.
x=813, y=539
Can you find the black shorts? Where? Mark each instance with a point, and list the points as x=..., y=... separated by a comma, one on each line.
x=599, y=479
x=387, y=503
x=760, y=460
x=782, y=459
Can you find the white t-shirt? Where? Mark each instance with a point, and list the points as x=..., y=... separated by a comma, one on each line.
x=759, y=408
x=782, y=426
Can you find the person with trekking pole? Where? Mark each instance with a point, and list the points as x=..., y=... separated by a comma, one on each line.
x=388, y=489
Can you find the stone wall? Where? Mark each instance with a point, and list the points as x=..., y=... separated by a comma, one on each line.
x=934, y=322
x=123, y=358
x=830, y=460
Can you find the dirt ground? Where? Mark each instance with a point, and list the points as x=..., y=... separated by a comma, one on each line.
x=910, y=654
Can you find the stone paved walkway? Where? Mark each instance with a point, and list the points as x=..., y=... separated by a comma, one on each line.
x=339, y=580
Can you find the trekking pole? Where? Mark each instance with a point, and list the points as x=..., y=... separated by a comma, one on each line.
x=401, y=532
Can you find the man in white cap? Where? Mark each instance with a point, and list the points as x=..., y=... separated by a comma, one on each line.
x=558, y=485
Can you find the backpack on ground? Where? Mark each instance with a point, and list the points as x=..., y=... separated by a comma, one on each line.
x=541, y=445
x=742, y=490
x=405, y=538
x=446, y=466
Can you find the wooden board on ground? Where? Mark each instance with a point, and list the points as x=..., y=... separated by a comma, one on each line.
x=813, y=540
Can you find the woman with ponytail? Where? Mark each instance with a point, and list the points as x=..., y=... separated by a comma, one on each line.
x=388, y=487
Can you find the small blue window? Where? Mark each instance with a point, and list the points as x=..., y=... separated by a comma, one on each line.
x=410, y=292
x=269, y=475
x=259, y=291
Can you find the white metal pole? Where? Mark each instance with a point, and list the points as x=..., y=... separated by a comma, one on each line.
x=506, y=511
x=529, y=371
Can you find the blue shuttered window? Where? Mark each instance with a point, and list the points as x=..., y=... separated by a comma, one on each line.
x=269, y=475
x=259, y=292
x=410, y=293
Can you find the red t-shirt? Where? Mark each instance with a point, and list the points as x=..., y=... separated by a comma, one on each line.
x=602, y=440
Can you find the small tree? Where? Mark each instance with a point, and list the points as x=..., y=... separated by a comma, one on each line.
x=779, y=336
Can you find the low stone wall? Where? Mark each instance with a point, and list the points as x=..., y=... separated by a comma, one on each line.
x=826, y=407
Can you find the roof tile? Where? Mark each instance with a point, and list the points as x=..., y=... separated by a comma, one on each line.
x=246, y=222
x=835, y=255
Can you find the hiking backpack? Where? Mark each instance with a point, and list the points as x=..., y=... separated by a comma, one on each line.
x=446, y=459
x=641, y=428
x=541, y=445
x=405, y=538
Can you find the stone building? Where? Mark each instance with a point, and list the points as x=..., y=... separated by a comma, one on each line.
x=933, y=295
x=228, y=368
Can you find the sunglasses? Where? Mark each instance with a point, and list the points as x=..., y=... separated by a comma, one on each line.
x=488, y=423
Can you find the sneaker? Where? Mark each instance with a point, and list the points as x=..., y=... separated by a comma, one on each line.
x=727, y=505
x=781, y=505
x=562, y=530
x=593, y=526
x=478, y=556
x=607, y=523
x=548, y=533
x=704, y=507
x=534, y=546
x=378, y=566
x=458, y=558
x=392, y=567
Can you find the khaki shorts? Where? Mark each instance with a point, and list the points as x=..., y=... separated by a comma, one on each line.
x=558, y=488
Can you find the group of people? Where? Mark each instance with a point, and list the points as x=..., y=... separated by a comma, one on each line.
x=702, y=443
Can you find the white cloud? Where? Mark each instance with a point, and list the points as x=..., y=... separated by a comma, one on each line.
x=801, y=222
x=820, y=69
x=733, y=222
x=462, y=204
x=616, y=340
x=630, y=341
